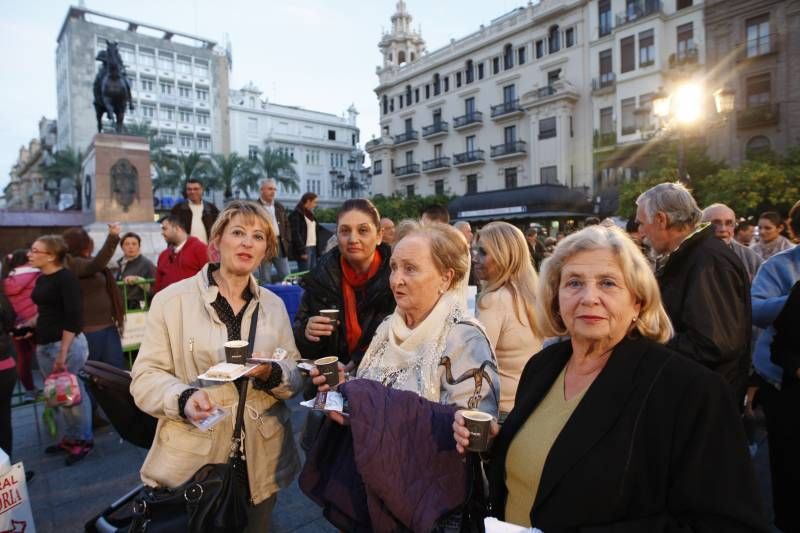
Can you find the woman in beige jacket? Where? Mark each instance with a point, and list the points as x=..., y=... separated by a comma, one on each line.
x=502, y=262
x=187, y=325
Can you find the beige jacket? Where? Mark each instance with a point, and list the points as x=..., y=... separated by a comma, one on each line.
x=183, y=339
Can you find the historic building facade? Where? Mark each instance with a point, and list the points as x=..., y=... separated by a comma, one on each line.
x=322, y=144
x=27, y=188
x=179, y=81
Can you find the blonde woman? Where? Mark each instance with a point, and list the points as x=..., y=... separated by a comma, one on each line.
x=502, y=262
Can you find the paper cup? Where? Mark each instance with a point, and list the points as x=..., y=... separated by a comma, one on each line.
x=329, y=367
x=479, y=425
x=236, y=352
x=332, y=314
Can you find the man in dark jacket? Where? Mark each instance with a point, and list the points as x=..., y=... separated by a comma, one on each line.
x=280, y=224
x=704, y=286
x=196, y=215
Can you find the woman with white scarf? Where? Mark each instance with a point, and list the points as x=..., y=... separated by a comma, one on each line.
x=430, y=345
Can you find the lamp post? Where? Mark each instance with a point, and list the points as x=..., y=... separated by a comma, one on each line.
x=357, y=178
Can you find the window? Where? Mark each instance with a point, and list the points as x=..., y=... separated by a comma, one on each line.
x=438, y=187
x=480, y=71
x=758, y=90
x=184, y=65
x=185, y=91
x=167, y=138
x=409, y=191
x=185, y=115
x=391, y=105
x=201, y=68
x=409, y=125
x=147, y=57
x=549, y=175
x=495, y=65
x=628, y=106
x=604, y=12
x=166, y=61
x=458, y=79
x=521, y=56
x=756, y=146
x=166, y=88
x=187, y=142
x=644, y=111
x=469, y=106
x=202, y=119
x=685, y=39
x=511, y=177
x=167, y=113
x=547, y=128
x=437, y=117
x=606, y=70
x=553, y=40
x=510, y=134
x=203, y=144
x=408, y=94
x=252, y=126
x=385, y=104
x=148, y=111
x=647, y=48
x=427, y=90
x=509, y=94
x=682, y=4
x=331, y=135
x=539, y=48
x=470, y=143
x=147, y=84
x=437, y=151
x=446, y=83
x=410, y=157
x=377, y=167
x=201, y=93
x=472, y=184
x=437, y=88
x=607, y=120
x=127, y=53
x=400, y=101
x=416, y=95
x=508, y=57
x=569, y=37
x=758, y=36
x=627, y=54
x=553, y=76
x=469, y=71
x=252, y=152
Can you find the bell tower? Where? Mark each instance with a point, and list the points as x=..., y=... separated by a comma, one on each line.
x=402, y=45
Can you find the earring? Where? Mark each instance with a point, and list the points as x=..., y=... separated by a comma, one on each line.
x=635, y=319
x=441, y=291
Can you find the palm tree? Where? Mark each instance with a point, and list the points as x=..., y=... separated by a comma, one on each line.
x=163, y=164
x=66, y=164
x=279, y=165
x=191, y=165
x=227, y=171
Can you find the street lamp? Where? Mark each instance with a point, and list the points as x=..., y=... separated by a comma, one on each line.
x=357, y=179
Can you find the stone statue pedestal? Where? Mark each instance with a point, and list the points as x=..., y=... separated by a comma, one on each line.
x=117, y=187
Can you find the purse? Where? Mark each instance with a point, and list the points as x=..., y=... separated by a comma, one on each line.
x=61, y=389
x=213, y=500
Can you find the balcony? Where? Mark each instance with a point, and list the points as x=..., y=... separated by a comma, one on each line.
x=508, y=109
x=410, y=136
x=474, y=118
x=411, y=169
x=757, y=116
x=435, y=130
x=606, y=80
x=437, y=163
x=507, y=150
x=544, y=92
x=687, y=56
x=637, y=10
x=471, y=157
x=765, y=45
x=604, y=140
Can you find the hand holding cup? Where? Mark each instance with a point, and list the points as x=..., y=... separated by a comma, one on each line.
x=319, y=326
x=470, y=438
x=321, y=381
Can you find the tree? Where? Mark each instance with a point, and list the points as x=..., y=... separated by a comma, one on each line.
x=67, y=164
x=397, y=207
x=188, y=166
x=278, y=165
x=165, y=172
x=227, y=171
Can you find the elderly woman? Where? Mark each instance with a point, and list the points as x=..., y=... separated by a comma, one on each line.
x=187, y=325
x=611, y=431
x=506, y=303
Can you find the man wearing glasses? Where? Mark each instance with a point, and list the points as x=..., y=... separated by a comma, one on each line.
x=723, y=219
x=184, y=257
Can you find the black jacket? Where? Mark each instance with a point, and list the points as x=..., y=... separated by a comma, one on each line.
x=7, y=322
x=706, y=293
x=299, y=230
x=323, y=290
x=654, y=445
x=184, y=212
x=785, y=348
x=285, y=237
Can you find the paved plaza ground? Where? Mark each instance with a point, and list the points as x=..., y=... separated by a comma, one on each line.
x=65, y=497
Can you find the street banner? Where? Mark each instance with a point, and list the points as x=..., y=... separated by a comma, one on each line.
x=15, y=505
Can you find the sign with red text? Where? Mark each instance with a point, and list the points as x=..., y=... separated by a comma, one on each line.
x=15, y=505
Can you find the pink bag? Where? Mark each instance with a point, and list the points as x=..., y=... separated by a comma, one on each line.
x=61, y=390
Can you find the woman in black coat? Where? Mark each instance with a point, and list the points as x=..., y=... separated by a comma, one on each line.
x=612, y=431
x=353, y=278
x=304, y=227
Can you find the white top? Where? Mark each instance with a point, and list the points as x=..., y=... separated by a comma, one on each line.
x=311, y=233
x=198, y=229
x=271, y=211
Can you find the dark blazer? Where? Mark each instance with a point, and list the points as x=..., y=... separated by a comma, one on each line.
x=285, y=237
x=654, y=445
x=184, y=212
x=299, y=229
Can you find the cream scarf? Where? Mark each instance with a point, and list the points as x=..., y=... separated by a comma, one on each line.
x=408, y=359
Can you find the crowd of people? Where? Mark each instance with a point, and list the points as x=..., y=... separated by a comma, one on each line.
x=619, y=365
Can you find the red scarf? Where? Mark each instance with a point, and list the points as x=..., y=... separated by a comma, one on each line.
x=351, y=280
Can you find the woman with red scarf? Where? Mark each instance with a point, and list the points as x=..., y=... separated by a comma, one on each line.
x=353, y=278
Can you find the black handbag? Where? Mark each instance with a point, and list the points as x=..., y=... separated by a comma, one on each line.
x=213, y=500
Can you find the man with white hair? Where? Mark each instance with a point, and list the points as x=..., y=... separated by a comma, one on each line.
x=723, y=219
x=704, y=286
x=464, y=227
x=280, y=225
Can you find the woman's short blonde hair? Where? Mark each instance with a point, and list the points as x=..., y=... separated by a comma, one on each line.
x=653, y=322
x=252, y=212
x=56, y=245
x=449, y=248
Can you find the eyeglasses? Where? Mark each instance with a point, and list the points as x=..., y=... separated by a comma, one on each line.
x=35, y=251
x=724, y=223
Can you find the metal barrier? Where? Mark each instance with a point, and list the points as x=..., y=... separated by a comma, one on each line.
x=134, y=317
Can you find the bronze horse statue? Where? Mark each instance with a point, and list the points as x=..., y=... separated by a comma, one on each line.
x=112, y=90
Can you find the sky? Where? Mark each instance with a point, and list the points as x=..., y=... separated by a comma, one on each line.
x=316, y=54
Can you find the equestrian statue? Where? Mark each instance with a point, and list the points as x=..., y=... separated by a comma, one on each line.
x=112, y=90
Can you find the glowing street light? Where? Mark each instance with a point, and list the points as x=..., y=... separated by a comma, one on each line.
x=687, y=103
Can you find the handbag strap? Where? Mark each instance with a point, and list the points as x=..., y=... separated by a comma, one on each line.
x=237, y=429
